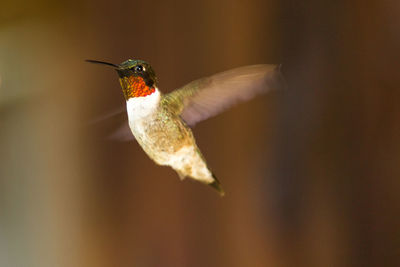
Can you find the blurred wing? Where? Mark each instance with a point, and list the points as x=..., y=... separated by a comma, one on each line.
x=209, y=96
x=109, y=114
x=122, y=134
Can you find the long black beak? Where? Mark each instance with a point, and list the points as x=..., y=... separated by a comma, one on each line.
x=103, y=63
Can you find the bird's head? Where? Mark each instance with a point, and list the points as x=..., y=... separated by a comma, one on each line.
x=137, y=77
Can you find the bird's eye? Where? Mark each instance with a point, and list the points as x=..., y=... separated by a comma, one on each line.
x=139, y=68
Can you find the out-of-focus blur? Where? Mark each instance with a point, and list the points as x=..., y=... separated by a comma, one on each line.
x=311, y=172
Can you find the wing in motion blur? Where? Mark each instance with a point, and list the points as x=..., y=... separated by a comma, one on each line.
x=209, y=96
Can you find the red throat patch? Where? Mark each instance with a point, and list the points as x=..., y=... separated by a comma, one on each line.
x=135, y=86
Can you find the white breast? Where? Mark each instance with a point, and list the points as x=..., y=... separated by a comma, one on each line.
x=140, y=107
x=140, y=110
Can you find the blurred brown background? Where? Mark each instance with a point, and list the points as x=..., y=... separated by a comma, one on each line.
x=311, y=173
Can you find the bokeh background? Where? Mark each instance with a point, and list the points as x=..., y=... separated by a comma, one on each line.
x=311, y=172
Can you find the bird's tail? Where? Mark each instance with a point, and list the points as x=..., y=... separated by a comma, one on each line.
x=217, y=186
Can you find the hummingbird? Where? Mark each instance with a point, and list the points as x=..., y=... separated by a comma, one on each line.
x=161, y=123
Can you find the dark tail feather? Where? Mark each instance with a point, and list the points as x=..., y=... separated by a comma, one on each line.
x=217, y=185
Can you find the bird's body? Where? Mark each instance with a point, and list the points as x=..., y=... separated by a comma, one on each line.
x=160, y=122
x=165, y=137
